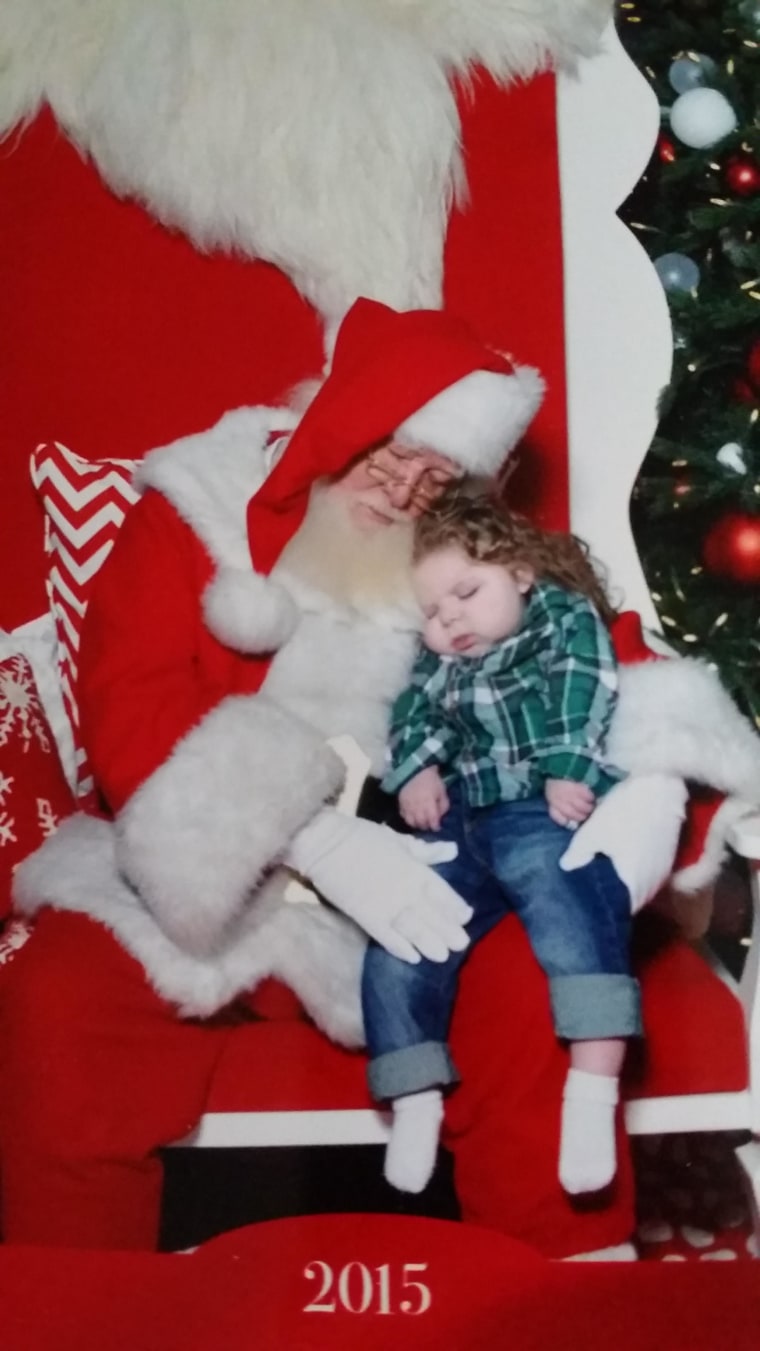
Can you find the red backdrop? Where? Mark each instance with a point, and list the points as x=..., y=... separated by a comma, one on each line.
x=117, y=335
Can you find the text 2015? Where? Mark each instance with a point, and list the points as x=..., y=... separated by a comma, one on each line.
x=358, y=1288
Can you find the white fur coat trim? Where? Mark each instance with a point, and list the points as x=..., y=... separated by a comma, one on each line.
x=674, y=717
x=209, y=478
x=478, y=420
x=316, y=951
x=323, y=137
x=199, y=834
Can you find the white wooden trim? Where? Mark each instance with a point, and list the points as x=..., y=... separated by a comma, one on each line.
x=230, y=1130
x=688, y=1112
x=363, y=1126
x=617, y=325
x=744, y=836
x=748, y=1157
x=749, y=994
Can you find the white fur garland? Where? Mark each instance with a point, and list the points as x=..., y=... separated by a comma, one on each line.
x=321, y=137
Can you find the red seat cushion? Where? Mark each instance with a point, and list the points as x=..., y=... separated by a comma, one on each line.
x=286, y=1066
x=694, y=1027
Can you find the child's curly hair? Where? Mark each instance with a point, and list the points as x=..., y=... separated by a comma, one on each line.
x=469, y=516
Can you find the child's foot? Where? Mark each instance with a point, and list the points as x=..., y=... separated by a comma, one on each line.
x=587, y=1160
x=413, y=1147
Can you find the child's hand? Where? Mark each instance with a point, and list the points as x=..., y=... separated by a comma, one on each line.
x=423, y=801
x=569, y=802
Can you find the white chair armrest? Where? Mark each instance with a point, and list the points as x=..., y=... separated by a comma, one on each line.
x=744, y=837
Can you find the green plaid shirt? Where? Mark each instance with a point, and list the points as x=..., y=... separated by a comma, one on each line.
x=536, y=706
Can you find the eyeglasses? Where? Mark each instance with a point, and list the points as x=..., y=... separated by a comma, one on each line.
x=392, y=467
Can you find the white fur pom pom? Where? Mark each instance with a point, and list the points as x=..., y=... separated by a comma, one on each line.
x=248, y=612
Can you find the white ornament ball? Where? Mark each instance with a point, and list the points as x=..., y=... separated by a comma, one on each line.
x=701, y=117
x=731, y=456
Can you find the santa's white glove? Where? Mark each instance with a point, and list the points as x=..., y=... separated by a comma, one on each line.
x=637, y=825
x=382, y=881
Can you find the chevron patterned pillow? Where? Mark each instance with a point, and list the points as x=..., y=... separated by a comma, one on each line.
x=85, y=502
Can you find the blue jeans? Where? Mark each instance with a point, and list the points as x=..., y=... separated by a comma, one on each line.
x=578, y=924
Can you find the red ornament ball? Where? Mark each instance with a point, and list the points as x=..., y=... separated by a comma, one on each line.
x=743, y=391
x=666, y=149
x=753, y=365
x=732, y=548
x=742, y=175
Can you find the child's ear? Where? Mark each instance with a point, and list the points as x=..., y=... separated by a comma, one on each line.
x=525, y=578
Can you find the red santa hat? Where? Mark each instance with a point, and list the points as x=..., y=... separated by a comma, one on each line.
x=421, y=375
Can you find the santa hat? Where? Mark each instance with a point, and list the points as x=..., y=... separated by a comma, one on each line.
x=421, y=375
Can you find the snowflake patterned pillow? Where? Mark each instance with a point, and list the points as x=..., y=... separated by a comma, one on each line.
x=85, y=502
x=34, y=794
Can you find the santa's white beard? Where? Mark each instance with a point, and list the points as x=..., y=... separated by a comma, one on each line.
x=363, y=566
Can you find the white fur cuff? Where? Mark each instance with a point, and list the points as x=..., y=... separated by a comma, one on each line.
x=202, y=830
x=248, y=612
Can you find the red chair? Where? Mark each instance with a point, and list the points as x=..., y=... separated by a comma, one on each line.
x=702, y=1059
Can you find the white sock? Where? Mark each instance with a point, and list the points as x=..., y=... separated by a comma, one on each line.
x=587, y=1159
x=413, y=1147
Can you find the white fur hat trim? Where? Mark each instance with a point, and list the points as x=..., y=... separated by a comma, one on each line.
x=478, y=420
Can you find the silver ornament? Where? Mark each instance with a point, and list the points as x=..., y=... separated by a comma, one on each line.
x=677, y=272
x=750, y=10
x=688, y=72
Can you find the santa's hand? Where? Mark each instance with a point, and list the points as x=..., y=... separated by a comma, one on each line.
x=382, y=881
x=636, y=825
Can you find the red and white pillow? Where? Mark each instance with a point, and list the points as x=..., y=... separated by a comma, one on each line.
x=34, y=794
x=85, y=503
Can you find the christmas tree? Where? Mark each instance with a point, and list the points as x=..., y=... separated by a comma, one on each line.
x=696, y=506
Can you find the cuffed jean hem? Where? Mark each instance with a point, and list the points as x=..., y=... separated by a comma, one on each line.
x=598, y=1005
x=411, y=1069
